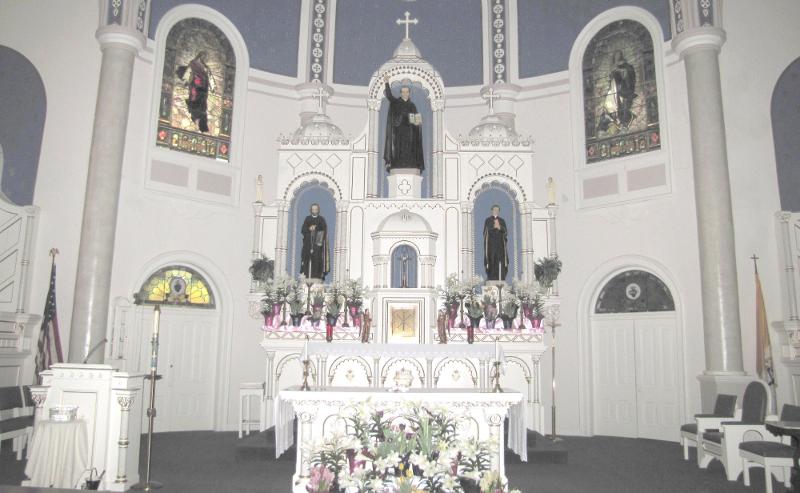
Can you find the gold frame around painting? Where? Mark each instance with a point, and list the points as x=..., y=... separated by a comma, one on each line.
x=403, y=321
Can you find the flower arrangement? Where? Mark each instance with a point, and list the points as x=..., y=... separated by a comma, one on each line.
x=414, y=450
x=546, y=270
x=297, y=300
x=354, y=292
x=451, y=292
x=321, y=480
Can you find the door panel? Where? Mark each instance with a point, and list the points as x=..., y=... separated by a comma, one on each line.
x=614, y=378
x=657, y=379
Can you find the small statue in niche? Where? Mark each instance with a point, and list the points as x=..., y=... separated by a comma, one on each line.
x=200, y=82
x=366, y=325
x=314, y=262
x=441, y=326
x=495, y=246
x=403, y=145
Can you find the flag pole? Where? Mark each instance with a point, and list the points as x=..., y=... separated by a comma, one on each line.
x=764, y=363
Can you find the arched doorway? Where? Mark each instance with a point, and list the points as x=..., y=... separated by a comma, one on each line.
x=635, y=358
x=188, y=334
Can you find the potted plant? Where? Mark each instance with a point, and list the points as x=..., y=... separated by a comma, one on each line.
x=451, y=295
x=262, y=269
x=317, y=304
x=354, y=292
x=547, y=270
x=282, y=287
x=271, y=305
x=509, y=309
x=297, y=307
x=332, y=309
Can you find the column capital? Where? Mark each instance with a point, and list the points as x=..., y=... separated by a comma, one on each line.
x=124, y=22
x=121, y=37
x=696, y=24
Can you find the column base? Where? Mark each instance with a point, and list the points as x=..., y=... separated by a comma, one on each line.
x=405, y=184
x=713, y=383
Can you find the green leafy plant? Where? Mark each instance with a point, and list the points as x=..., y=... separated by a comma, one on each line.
x=547, y=269
x=262, y=269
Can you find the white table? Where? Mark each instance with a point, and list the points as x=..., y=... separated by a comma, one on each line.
x=58, y=455
x=314, y=409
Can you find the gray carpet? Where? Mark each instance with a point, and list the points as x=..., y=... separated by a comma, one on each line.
x=200, y=462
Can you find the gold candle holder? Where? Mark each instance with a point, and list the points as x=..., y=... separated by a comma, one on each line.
x=306, y=371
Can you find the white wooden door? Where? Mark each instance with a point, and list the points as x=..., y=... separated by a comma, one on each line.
x=614, y=378
x=636, y=378
x=187, y=365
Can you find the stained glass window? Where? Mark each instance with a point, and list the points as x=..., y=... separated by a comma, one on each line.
x=620, y=94
x=176, y=285
x=634, y=291
x=196, y=107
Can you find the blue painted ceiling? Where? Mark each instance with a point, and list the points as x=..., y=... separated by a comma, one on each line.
x=448, y=34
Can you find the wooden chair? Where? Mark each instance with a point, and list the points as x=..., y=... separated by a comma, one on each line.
x=724, y=409
x=12, y=424
x=771, y=453
x=723, y=444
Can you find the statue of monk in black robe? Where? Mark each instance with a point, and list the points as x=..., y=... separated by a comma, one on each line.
x=403, y=146
x=495, y=246
x=314, y=261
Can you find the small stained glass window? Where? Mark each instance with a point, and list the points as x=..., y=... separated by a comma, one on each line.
x=634, y=291
x=196, y=103
x=176, y=285
x=620, y=94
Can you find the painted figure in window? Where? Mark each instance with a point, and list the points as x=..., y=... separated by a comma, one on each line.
x=314, y=262
x=403, y=146
x=200, y=82
x=495, y=246
x=620, y=95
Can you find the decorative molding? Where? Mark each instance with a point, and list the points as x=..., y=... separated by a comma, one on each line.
x=498, y=34
x=319, y=42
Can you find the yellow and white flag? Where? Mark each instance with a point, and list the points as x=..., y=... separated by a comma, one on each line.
x=763, y=347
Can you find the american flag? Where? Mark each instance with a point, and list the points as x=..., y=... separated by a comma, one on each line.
x=49, y=340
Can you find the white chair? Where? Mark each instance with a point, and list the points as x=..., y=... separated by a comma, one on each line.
x=724, y=409
x=723, y=444
x=773, y=453
x=248, y=391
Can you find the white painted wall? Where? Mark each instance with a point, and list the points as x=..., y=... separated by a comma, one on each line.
x=59, y=41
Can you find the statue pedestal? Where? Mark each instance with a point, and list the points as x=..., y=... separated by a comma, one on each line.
x=405, y=184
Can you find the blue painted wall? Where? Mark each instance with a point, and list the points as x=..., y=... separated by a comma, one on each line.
x=270, y=28
x=448, y=35
x=548, y=29
x=21, y=124
x=785, y=122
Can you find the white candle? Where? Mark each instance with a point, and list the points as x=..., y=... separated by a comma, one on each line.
x=156, y=325
x=259, y=191
x=497, y=350
x=305, y=351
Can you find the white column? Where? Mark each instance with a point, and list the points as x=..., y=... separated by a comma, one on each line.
x=257, y=222
x=698, y=46
x=784, y=219
x=281, y=242
x=526, y=256
x=30, y=226
x=120, y=45
x=467, y=243
x=372, y=149
x=125, y=400
x=437, y=166
x=552, y=245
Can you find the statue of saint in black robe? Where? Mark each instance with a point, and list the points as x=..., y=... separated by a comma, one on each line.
x=403, y=146
x=314, y=261
x=495, y=248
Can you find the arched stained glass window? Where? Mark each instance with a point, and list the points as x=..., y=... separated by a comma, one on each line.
x=176, y=285
x=620, y=93
x=634, y=291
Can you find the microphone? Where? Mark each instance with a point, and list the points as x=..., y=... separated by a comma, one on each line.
x=94, y=348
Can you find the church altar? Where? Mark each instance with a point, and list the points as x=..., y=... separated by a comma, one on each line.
x=480, y=415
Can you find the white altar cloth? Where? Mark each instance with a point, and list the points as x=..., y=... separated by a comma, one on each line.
x=314, y=408
x=58, y=455
x=428, y=351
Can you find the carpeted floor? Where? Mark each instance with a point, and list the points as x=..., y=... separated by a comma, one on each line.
x=200, y=462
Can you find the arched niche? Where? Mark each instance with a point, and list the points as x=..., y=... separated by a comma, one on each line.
x=404, y=260
x=404, y=228
x=785, y=122
x=498, y=193
x=407, y=66
x=21, y=125
x=310, y=192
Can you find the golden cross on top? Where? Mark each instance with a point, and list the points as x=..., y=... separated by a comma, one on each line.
x=490, y=95
x=407, y=22
x=320, y=94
